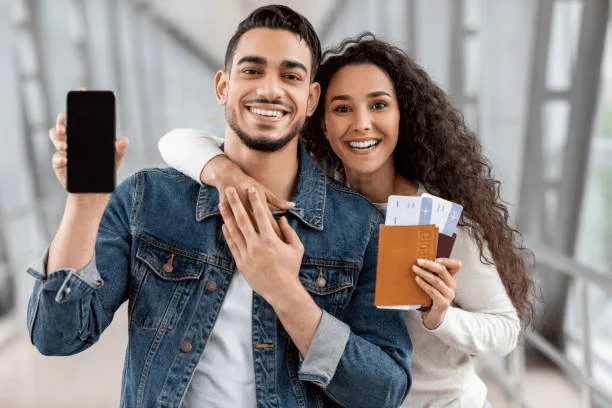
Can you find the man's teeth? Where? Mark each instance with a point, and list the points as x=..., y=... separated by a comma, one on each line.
x=366, y=144
x=266, y=112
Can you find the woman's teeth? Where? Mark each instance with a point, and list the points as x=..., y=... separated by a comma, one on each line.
x=366, y=144
x=266, y=112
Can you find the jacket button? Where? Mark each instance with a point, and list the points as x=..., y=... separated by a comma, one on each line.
x=321, y=282
x=186, y=347
x=211, y=286
x=167, y=268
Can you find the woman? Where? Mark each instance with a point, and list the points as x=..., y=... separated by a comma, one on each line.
x=384, y=127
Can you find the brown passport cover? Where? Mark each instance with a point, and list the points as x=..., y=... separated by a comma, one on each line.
x=398, y=249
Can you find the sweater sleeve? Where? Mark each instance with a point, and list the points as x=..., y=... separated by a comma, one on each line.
x=482, y=318
x=189, y=150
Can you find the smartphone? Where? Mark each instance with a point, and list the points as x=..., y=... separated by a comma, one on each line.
x=90, y=134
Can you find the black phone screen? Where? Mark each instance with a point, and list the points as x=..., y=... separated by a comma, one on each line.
x=90, y=133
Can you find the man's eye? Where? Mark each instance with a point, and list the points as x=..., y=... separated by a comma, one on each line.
x=249, y=71
x=292, y=77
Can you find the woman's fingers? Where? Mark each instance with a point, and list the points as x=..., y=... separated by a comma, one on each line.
x=452, y=265
x=438, y=269
x=276, y=202
x=435, y=281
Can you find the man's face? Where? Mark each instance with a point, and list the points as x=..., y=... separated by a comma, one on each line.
x=268, y=93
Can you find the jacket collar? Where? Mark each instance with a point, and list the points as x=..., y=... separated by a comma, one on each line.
x=309, y=199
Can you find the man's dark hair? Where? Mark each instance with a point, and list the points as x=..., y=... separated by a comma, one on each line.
x=282, y=18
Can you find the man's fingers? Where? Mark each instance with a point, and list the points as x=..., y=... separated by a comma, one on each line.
x=58, y=136
x=61, y=120
x=242, y=219
x=121, y=145
x=234, y=249
x=260, y=212
x=276, y=202
x=291, y=237
x=232, y=228
x=59, y=160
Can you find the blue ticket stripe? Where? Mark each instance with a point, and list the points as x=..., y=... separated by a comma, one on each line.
x=425, y=213
x=452, y=220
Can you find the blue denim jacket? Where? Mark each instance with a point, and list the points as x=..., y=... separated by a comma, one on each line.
x=359, y=357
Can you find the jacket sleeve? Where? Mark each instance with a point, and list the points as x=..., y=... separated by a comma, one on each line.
x=69, y=309
x=484, y=321
x=189, y=150
x=363, y=361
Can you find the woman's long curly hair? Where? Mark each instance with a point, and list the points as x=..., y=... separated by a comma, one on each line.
x=435, y=148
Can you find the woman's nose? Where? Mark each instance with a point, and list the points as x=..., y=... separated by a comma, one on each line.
x=363, y=121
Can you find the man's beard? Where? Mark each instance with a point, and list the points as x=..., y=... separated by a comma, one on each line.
x=261, y=144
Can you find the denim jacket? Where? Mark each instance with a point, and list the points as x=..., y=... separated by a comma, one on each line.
x=160, y=247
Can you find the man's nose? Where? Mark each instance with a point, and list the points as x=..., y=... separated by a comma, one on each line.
x=363, y=121
x=270, y=88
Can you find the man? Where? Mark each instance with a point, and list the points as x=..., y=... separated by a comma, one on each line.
x=224, y=310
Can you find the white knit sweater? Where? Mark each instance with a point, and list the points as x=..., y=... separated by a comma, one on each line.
x=482, y=319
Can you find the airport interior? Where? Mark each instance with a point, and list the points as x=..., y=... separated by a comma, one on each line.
x=533, y=79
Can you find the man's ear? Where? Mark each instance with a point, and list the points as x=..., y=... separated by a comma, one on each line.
x=221, y=84
x=313, y=98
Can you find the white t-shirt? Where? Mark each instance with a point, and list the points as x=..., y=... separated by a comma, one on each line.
x=224, y=376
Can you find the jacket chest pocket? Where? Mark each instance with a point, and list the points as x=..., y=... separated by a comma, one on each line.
x=330, y=287
x=163, y=284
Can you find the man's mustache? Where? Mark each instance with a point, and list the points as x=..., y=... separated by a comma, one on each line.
x=271, y=102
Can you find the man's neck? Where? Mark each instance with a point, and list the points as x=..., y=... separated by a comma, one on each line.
x=278, y=171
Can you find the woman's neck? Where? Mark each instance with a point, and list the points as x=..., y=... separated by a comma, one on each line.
x=379, y=185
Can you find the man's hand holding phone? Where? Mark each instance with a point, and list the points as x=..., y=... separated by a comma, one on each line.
x=57, y=135
x=74, y=242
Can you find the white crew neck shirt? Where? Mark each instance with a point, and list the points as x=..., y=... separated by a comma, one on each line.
x=225, y=374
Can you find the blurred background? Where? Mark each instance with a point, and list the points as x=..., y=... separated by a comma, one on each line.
x=533, y=78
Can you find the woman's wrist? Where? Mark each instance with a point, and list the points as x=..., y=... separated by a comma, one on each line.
x=213, y=170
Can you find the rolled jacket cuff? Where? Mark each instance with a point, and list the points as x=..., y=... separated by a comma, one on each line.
x=325, y=351
x=69, y=283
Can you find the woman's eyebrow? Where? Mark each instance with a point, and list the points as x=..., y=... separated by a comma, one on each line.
x=378, y=93
x=341, y=98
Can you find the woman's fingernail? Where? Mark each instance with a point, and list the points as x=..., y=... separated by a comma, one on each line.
x=416, y=268
x=251, y=190
x=421, y=261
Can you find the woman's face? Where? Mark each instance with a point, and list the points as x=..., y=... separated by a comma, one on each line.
x=362, y=118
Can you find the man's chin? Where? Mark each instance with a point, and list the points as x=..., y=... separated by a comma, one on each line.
x=266, y=143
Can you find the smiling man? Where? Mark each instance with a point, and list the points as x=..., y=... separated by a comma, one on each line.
x=228, y=308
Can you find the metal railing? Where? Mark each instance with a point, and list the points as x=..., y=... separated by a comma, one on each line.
x=592, y=394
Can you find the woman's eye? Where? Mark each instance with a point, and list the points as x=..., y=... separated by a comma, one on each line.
x=379, y=105
x=342, y=109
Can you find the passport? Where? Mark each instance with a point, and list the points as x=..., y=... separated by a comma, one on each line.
x=398, y=249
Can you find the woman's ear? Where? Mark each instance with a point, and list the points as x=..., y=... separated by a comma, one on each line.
x=221, y=84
